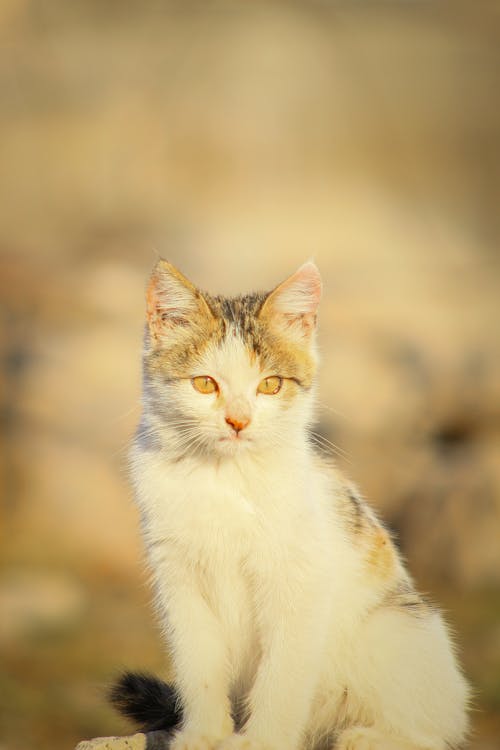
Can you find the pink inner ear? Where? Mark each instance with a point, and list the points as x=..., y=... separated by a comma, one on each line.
x=171, y=298
x=300, y=294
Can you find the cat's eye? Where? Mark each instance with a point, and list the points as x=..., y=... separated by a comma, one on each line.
x=204, y=384
x=270, y=385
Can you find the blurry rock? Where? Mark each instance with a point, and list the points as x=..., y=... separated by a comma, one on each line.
x=69, y=486
x=139, y=741
x=450, y=524
x=32, y=601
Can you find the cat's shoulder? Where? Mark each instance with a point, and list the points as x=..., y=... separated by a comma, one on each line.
x=362, y=528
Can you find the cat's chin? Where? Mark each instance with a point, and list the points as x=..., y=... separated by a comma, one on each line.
x=232, y=446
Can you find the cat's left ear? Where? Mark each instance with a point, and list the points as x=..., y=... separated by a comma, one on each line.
x=293, y=305
x=175, y=307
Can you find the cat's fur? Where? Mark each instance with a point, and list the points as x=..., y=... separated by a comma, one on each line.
x=290, y=617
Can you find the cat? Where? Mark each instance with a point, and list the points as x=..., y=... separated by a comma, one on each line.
x=291, y=620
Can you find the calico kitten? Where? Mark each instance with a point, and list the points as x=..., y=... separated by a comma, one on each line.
x=291, y=620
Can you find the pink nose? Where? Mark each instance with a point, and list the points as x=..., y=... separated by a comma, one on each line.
x=237, y=424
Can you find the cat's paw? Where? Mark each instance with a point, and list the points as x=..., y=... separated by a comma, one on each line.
x=240, y=742
x=365, y=738
x=357, y=738
x=187, y=740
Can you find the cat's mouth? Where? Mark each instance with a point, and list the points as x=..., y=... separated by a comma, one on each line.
x=234, y=442
x=234, y=439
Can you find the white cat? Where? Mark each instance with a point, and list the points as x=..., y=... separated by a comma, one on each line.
x=291, y=620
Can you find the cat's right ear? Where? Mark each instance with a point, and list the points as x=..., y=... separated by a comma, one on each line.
x=173, y=304
x=292, y=307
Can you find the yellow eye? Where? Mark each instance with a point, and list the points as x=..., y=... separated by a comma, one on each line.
x=204, y=384
x=270, y=385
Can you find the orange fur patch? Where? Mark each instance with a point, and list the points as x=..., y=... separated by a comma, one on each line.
x=381, y=556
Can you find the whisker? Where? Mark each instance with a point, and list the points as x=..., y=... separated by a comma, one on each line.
x=326, y=444
x=125, y=414
x=327, y=407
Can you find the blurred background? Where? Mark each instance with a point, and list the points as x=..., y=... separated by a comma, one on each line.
x=237, y=140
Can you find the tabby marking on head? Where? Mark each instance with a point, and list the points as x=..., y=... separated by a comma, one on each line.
x=236, y=343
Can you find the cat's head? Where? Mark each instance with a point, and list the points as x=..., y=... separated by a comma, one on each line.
x=226, y=375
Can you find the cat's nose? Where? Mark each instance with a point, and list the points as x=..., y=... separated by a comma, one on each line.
x=238, y=424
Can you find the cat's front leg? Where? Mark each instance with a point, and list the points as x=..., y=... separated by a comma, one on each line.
x=293, y=621
x=199, y=657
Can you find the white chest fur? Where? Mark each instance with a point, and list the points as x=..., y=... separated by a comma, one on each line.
x=205, y=506
x=238, y=530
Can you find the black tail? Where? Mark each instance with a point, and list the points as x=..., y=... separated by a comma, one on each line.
x=150, y=703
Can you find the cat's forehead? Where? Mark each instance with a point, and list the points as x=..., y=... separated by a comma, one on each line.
x=235, y=350
x=238, y=317
x=231, y=357
x=245, y=346
x=243, y=337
